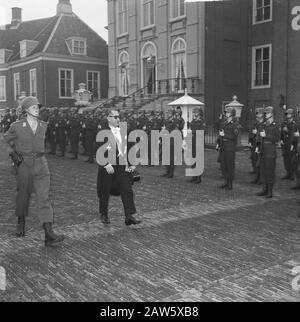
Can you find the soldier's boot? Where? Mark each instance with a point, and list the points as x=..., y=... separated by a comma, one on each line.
x=256, y=180
x=167, y=173
x=51, y=239
x=297, y=187
x=225, y=185
x=264, y=192
x=20, y=229
x=193, y=179
x=270, y=190
x=75, y=157
x=171, y=172
x=198, y=180
x=230, y=186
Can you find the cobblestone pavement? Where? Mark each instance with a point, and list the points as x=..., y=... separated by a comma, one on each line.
x=196, y=243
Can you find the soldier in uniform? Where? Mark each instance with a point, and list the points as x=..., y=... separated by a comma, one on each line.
x=268, y=138
x=195, y=125
x=61, y=132
x=74, y=132
x=28, y=137
x=6, y=122
x=296, y=154
x=255, y=129
x=90, y=135
x=287, y=132
x=51, y=135
x=228, y=135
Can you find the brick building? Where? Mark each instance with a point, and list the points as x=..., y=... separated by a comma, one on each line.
x=49, y=57
x=274, y=45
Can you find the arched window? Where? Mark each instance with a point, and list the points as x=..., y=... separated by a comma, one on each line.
x=179, y=64
x=124, y=73
x=149, y=72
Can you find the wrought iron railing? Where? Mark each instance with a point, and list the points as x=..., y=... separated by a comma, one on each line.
x=172, y=86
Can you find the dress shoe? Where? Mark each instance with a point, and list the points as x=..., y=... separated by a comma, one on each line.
x=105, y=220
x=51, y=239
x=264, y=192
x=132, y=221
x=74, y=158
x=20, y=229
x=224, y=185
x=193, y=179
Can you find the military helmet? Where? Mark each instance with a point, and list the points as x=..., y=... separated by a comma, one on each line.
x=289, y=111
x=269, y=109
x=259, y=110
x=28, y=102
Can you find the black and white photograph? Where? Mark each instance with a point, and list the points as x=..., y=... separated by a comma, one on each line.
x=149, y=154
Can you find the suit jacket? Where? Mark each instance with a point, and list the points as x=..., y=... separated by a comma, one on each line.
x=118, y=165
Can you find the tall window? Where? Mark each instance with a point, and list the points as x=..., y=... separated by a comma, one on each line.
x=177, y=8
x=66, y=83
x=2, y=88
x=33, y=83
x=17, y=89
x=261, y=66
x=262, y=11
x=93, y=83
x=122, y=7
x=179, y=64
x=147, y=13
x=124, y=73
x=149, y=70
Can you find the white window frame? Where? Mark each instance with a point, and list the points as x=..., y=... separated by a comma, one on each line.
x=98, y=79
x=121, y=92
x=17, y=79
x=143, y=56
x=173, y=54
x=254, y=14
x=33, y=86
x=172, y=2
x=125, y=14
x=2, y=56
x=3, y=88
x=23, y=49
x=149, y=15
x=72, y=82
x=254, y=48
x=83, y=40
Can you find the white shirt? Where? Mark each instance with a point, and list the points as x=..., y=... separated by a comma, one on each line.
x=117, y=134
x=33, y=124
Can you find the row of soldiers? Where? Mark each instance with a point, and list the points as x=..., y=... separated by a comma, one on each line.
x=9, y=117
x=73, y=125
x=263, y=148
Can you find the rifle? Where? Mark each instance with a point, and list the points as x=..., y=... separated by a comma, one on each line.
x=260, y=151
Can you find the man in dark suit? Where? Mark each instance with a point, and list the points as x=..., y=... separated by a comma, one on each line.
x=115, y=176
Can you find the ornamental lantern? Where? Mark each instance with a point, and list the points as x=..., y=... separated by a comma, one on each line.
x=237, y=106
x=82, y=96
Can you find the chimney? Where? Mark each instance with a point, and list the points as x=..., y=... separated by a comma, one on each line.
x=16, y=15
x=64, y=7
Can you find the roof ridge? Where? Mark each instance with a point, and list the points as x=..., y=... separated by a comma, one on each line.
x=50, y=22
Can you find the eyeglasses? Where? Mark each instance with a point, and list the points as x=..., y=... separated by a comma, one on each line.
x=115, y=116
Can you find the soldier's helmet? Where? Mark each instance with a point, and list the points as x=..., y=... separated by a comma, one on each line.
x=269, y=110
x=289, y=111
x=230, y=110
x=28, y=102
x=259, y=111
